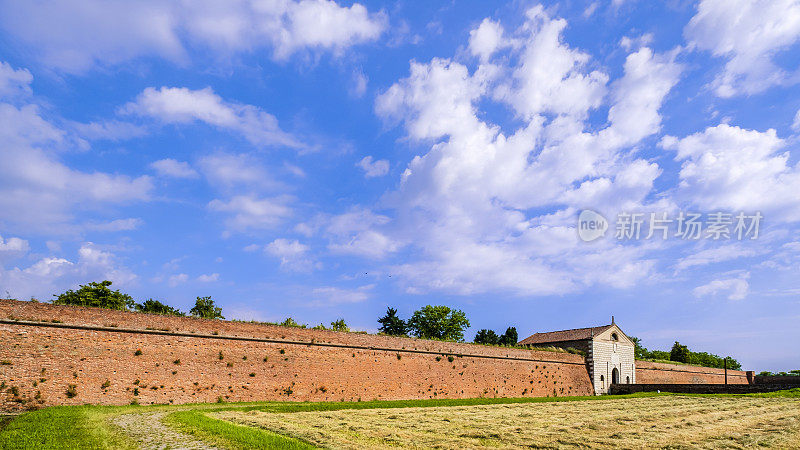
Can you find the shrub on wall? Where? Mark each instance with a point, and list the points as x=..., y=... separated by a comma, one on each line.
x=205, y=308
x=96, y=295
x=156, y=307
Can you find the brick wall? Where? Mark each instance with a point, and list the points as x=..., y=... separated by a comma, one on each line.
x=663, y=373
x=46, y=349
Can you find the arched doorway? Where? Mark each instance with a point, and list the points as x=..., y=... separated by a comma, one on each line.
x=615, y=376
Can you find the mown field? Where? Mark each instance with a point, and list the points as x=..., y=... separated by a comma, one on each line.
x=634, y=421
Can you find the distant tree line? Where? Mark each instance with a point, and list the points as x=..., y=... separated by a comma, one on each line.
x=681, y=353
x=791, y=373
x=489, y=337
x=100, y=295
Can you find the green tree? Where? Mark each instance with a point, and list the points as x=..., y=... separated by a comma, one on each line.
x=679, y=353
x=488, y=337
x=438, y=322
x=96, y=295
x=639, y=351
x=156, y=307
x=206, y=309
x=339, y=325
x=510, y=337
x=391, y=324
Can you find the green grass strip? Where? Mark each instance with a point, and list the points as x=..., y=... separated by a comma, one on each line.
x=229, y=435
x=60, y=427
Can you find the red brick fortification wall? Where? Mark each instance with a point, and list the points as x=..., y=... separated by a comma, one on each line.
x=663, y=373
x=115, y=357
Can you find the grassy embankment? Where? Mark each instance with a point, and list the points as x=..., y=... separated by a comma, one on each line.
x=91, y=426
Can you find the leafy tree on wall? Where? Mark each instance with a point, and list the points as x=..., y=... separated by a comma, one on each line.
x=206, y=309
x=97, y=295
x=487, y=337
x=510, y=337
x=679, y=353
x=156, y=307
x=438, y=322
x=339, y=325
x=391, y=324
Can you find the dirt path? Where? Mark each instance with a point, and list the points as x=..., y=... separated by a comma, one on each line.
x=150, y=432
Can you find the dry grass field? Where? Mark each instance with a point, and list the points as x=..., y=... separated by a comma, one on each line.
x=661, y=421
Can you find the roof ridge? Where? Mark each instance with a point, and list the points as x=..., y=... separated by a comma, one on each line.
x=574, y=329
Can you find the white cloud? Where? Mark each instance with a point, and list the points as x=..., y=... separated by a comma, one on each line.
x=714, y=255
x=12, y=248
x=116, y=225
x=173, y=168
x=249, y=212
x=551, y=77
x=229, y=171
x=175, y=280
x=208, y=278
x=75, y=36
x=727, y=167
x=372, y=168
x=40, y=192
x=735, y=288
x=113, y=130
x=356, y=233
x=330, y=296
x=470, y=206
x=486, y=39
x=292, y=254
x=748, y=34
x=51, y=275
x=796, y=122
x=359, y=84
x=173, y=105
x=14, y=82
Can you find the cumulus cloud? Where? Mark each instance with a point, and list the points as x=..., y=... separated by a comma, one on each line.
x=732, y=168
x=330, y=296
x=249, y=212
x=14, y=82
x=173, y=168
x=377, y=168
x=37, y=190
x=12, y=247
x=486, y=39
x=714, y=255
x=474, y=198
x=208, y=278
x=173, y=105
x=116, y=225
x=735, y=288
x=75, y=36
x=52, y=275
x=177, y=279
x=227, y=171
x=292, y=254
x=357, y=233
x=748, y=34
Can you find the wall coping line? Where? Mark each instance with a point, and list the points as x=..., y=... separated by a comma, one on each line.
x=271, y=341
x=692, y=371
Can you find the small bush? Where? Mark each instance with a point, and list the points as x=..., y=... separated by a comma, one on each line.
x=438, y=358
x=282, y=351
x=221, y=356
x=177, y=362
x=230, y=364
x=105, y=384
x=252, y=374
x=5, y=362
x=266, y=358
x=399, y=356
x=136, y=391
x=450, y=359
x=72, y=390
x=138, y=352
x=244, y=358
x=220, y=399
x=14, y=391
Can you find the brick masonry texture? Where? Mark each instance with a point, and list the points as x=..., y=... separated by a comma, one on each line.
x=48, y=353
x=663, y=373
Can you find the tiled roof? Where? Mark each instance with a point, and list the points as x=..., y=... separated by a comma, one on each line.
x=578, y=334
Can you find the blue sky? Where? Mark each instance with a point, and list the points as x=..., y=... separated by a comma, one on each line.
x=320, y=160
